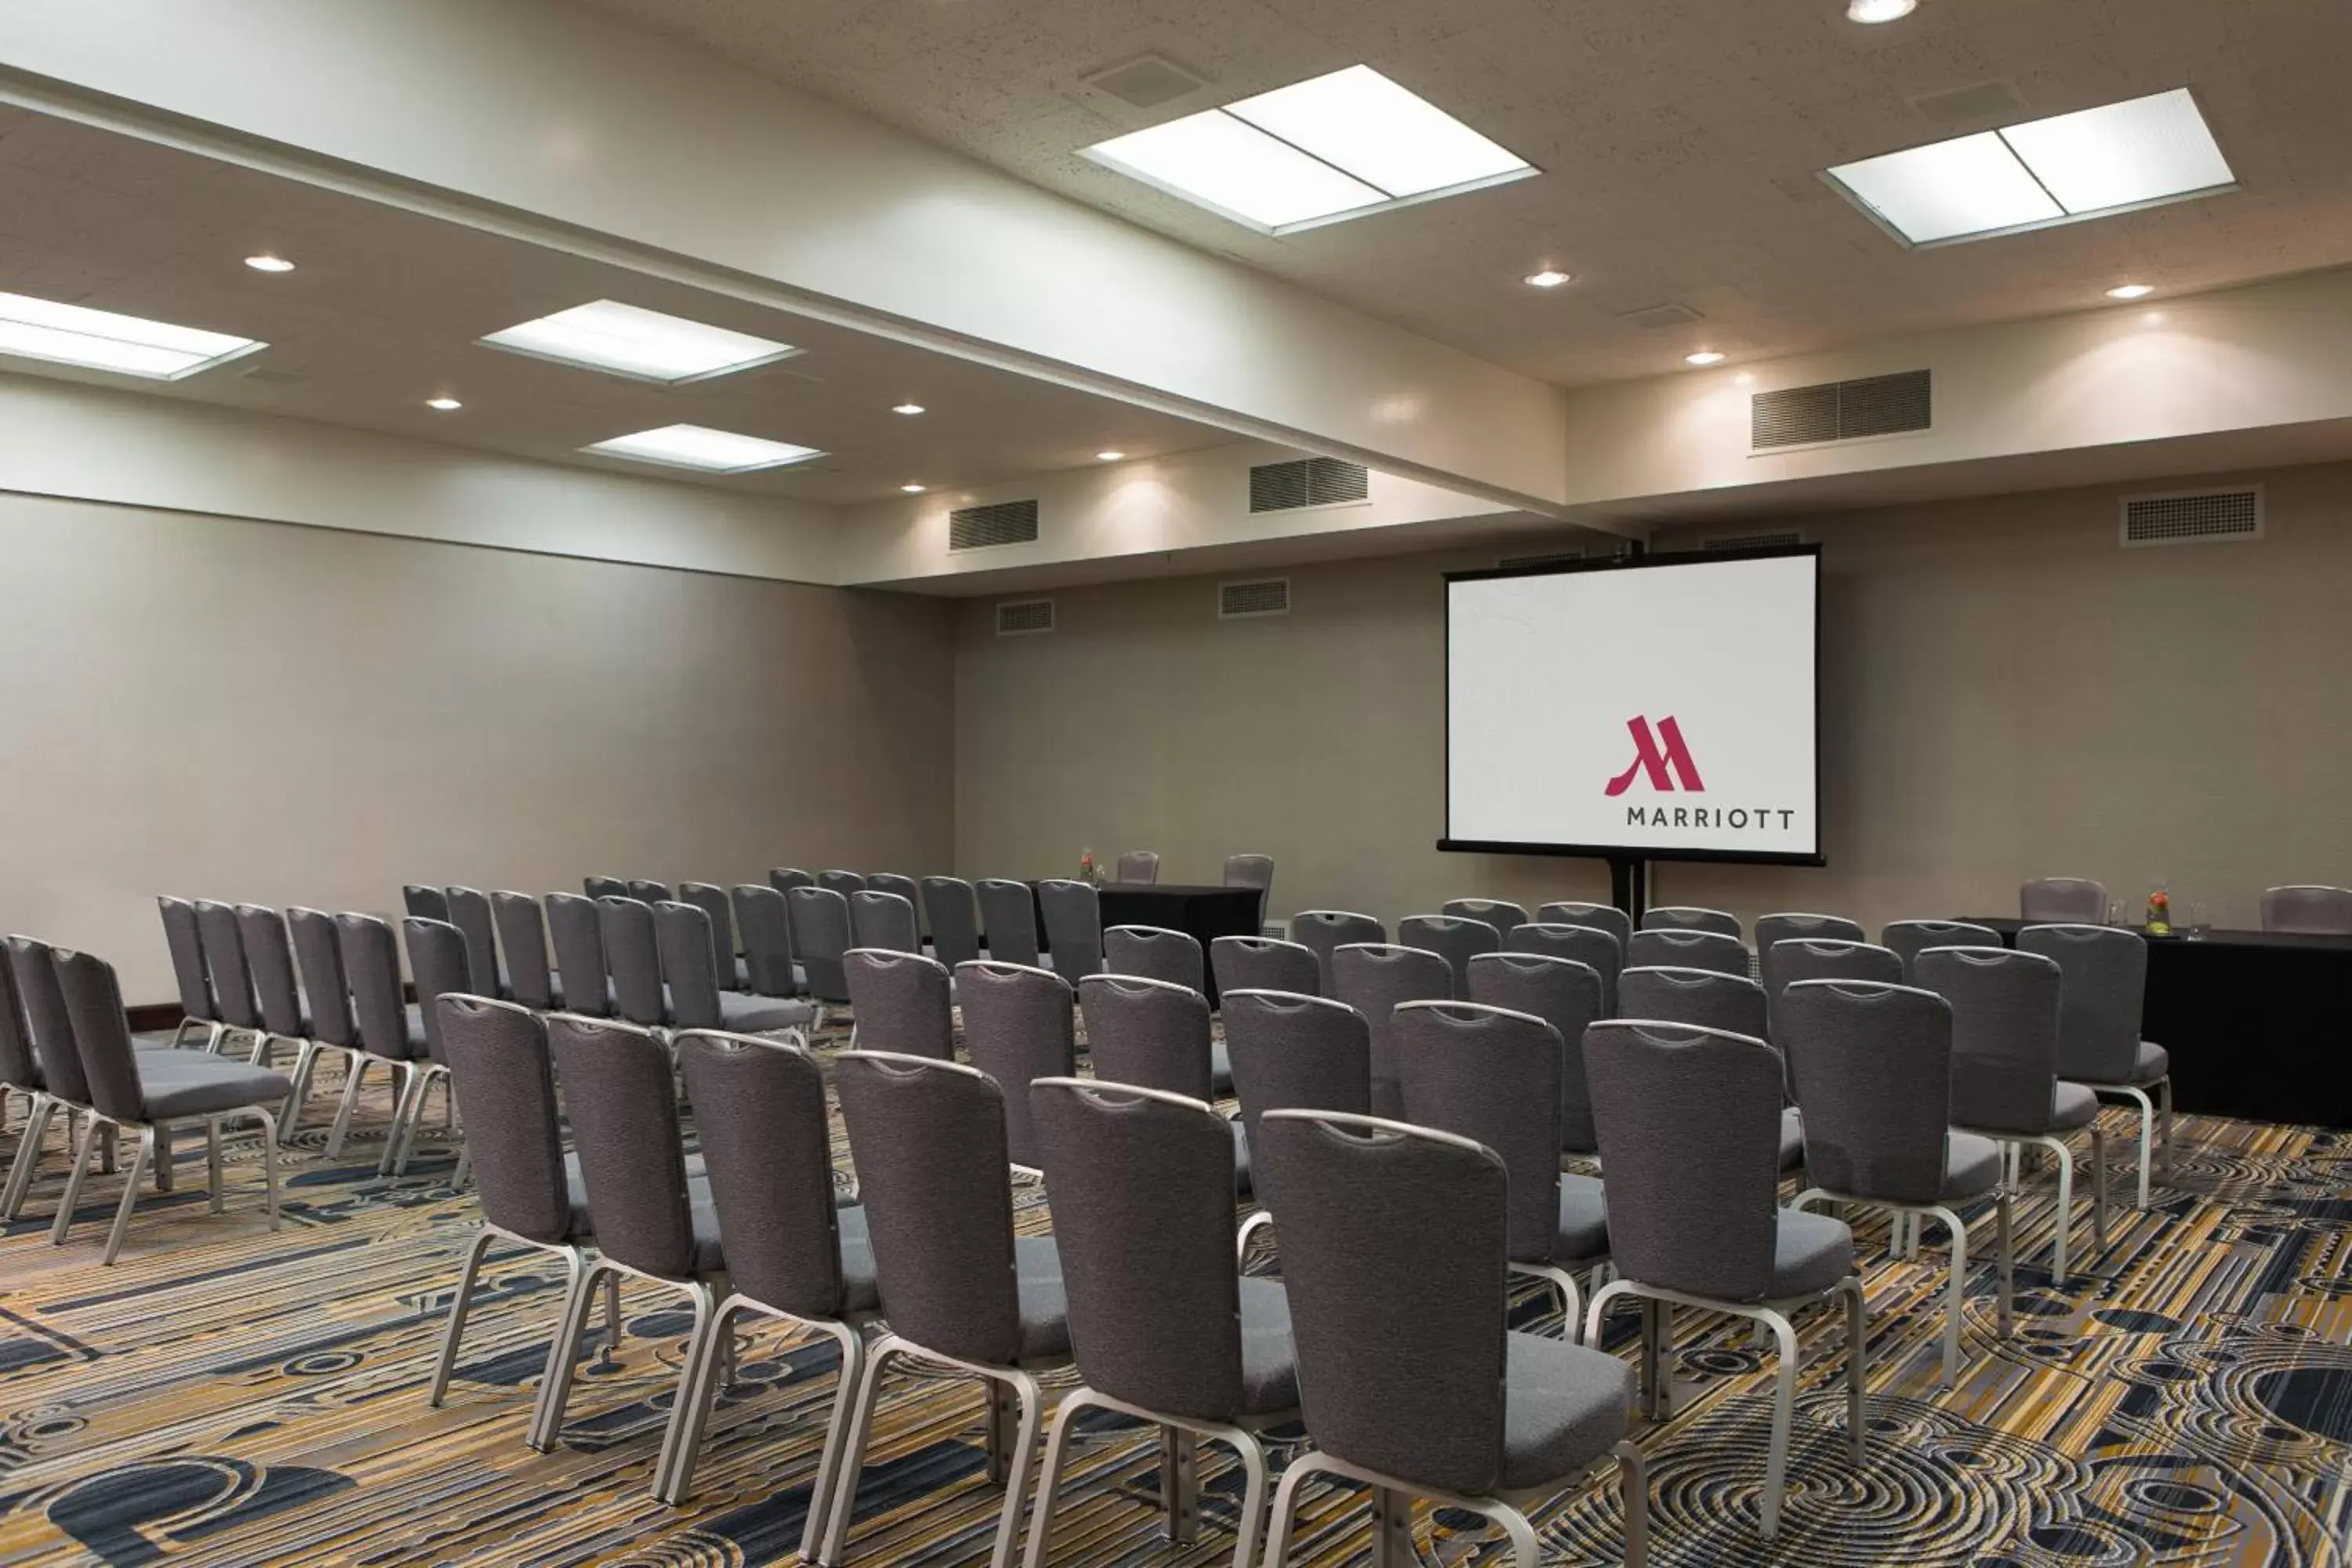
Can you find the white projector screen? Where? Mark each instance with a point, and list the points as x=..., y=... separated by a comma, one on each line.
x=1659, y=707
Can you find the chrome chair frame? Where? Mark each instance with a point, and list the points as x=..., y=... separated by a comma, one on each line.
x=144, y=1156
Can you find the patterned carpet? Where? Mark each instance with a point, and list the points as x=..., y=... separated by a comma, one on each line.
x=224, y=1395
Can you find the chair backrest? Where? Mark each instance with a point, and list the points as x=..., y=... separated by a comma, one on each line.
x=187, y=951
x=19, y=1068
x=324, y=986
x=1872, y=1066
x=2063, y=899
x=1456, y=941
x=1139, y=868
x=1906, y=939
x=712, y=899
x=424, y=903
x=2105, y=982
x=767, y=937
x=819, y=918
x=46, y=1019
x=1596, y=949
x=578, y=933
x=225, y=961
x=1491, y=1075
x=620, y=1095
x=632, y=958
x=649, y=892
x=1690, y=1137
x=372, y=968
x=504, y=1085
x=1072, y=928
x=1689, y=917
x=688, y=954
x=1673, y=947
x=438, y=967
x=270, y=960
x=595, y=888
x=1599, y=917
x=1251, y=871
x=784, y=878
x=1263, y=963
x=1792, y=959
x=1019, y=1026
x=2308, y=911
x=1393, y=1255
x=1569, y=996
x=842, y=882
x=1296, y=1050
x=1324, y=931
x=1155, y=952
x=1771, y=929
x=1008, y=910
x=952, y=911
x=522, y=933
x=2005, y=1009
x=928, y=1139
x=885, y=921
x=469, y=912
x=1700, y=998
x=906, y=888
x=1147, y=1033
x=1500, y=913
x=1372, y=978
x=902, y=1002
x=1141, y=1186
x=760, y=1118
x=102, y=1033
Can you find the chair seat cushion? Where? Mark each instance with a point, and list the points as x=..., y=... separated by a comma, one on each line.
x=1583, y=1220
x=2154, y=1062
x=1563, y=1408
x=1044, y=1305
x=1269, y=1368
x=859, y=1290
x=1971, y=1165
x=197, y=1083
x=2072, y=1105
x=748, y=1014
x=1810, y=1253
x=1242, y=1184
x=1792, y=1140
x=1221, y=1070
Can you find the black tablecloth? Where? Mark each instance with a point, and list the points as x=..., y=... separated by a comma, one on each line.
x=1203, y=913
x=2259, y=1026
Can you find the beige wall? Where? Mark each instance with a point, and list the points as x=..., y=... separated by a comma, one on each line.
x=283, y=715
x=2006, y=693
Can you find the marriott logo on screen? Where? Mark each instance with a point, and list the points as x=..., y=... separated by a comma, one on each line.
x=1664, y=759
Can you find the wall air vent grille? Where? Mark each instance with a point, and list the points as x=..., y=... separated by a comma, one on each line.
x=1307, y=481
x=986, y=527
x=1259, y=597
x=1841, y=411
x=2193, y=517
x=1777, y=540
x=1024, y=617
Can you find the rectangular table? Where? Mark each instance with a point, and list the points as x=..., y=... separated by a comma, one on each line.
x=1204, y=914
x=2259, y=1024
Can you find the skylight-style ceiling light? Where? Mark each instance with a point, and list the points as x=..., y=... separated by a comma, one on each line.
x=2131, y=291
x=906, y=408
x=1337, y=146
x=699, y=447
x=1704, y=358
x=629, y=340
x=1549, y=277
x=265, y=262
x=101, y=340
x=442, y=405
x=2086, y=164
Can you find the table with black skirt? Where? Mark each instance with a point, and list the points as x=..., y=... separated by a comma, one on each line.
x=1204, y=914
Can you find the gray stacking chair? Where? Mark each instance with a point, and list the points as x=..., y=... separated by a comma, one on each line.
x=731, y=971
x=1673, y=947
x=1264, y=963
x=1500, y=913
x=522, y=934
x=903, y=1002
x=1771, y=929
x=885, y=921
x=957, y=1286
x=1908, y=939
x=620, y=1095
x=2069, y=899
x=1154, y=954
x=1689, y=1124
x=1491, y=1075
x=1019, y=1026
x=439, y=964
x=595, y=888
x=842, y=882
x=820, y=927
x=198, y=1010
x=1164, y=1328
x=632, y=958
x=767, y=931
x=1073, y=929
x=20, y=1073
x=2005, y=1082
x=144, y=1091
x=1588, y=946
x=424, y=903
x=1598, y=916
x=1569, y=996
x=390, y=1031
x=1454, y=938
x=278, y=994
x=952, y=911
x=1138, y=869
x=1008, y=913
x=792, y=1253
x=1372, y=978
x=578, y=933
x=1154, y=1034
x=1791, y=959
x=25, y=1059
x=328, y=998
x=1872, y=1061
x=2306, y=910
x=784, y=878
x=1409, y=1378
x=1325, y=931
x=469, y=912
x=647, y=891
x=1689, y=917
x=232, y=981
x=1253, y=872
x=906, y=888
x=1295, y=1050
x=2105, y=972
x=1708, y=999
x=689, y=967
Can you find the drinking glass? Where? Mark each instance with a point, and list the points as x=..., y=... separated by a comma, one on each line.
x=2115, y=913
x=2200, y=922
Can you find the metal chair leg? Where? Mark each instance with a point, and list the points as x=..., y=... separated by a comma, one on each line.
x=2098, y=1185
x=352, y=1078
x=1049, y=1478
x=213, y=1162
x=139, y=1159
x=852, y=1452
x=1285, y=1508
x=1392, y=1529
x=2065, y=1209
x=1857, y=1359
x=64, y=1222
x=1784, y=1400
x=27, y=1162
x=1633, y=1495
x=306, y=1062
x=822, y=1495
x=459, y=1306
x=555, y=1392
x=1957, y=1299
x=1179, y=1485
x=666, y=1462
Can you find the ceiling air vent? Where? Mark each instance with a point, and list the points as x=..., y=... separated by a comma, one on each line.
x=1307, y=481
x=1840, y=411
x=2193, y=517
x=1777, y=541
x=986, y=527
x=1658, y=318
x=1533, y=562
x=1259, y=597
x=1024, y=617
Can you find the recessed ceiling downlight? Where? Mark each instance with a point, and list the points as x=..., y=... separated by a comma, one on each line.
x=264, y=262
x=629, y=340
x=101, y=340
x=1871, y=12
x=699, y=447
x=1702, y=358
x=1549, y=277
x=442, y=405
x=2131, y=291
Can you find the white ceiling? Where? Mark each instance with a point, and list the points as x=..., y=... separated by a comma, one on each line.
x=385, y=307
x=1681, y=141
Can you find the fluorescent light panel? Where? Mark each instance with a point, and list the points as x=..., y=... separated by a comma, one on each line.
x=2086, y=164
x=629, y=340
x=101, y=340
x=1337, y=146
x=699, y=447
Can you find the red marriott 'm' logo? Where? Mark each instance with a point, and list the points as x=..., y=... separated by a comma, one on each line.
x=1663, y=756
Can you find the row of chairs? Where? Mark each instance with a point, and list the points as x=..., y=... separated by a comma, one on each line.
x=2300, y=909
